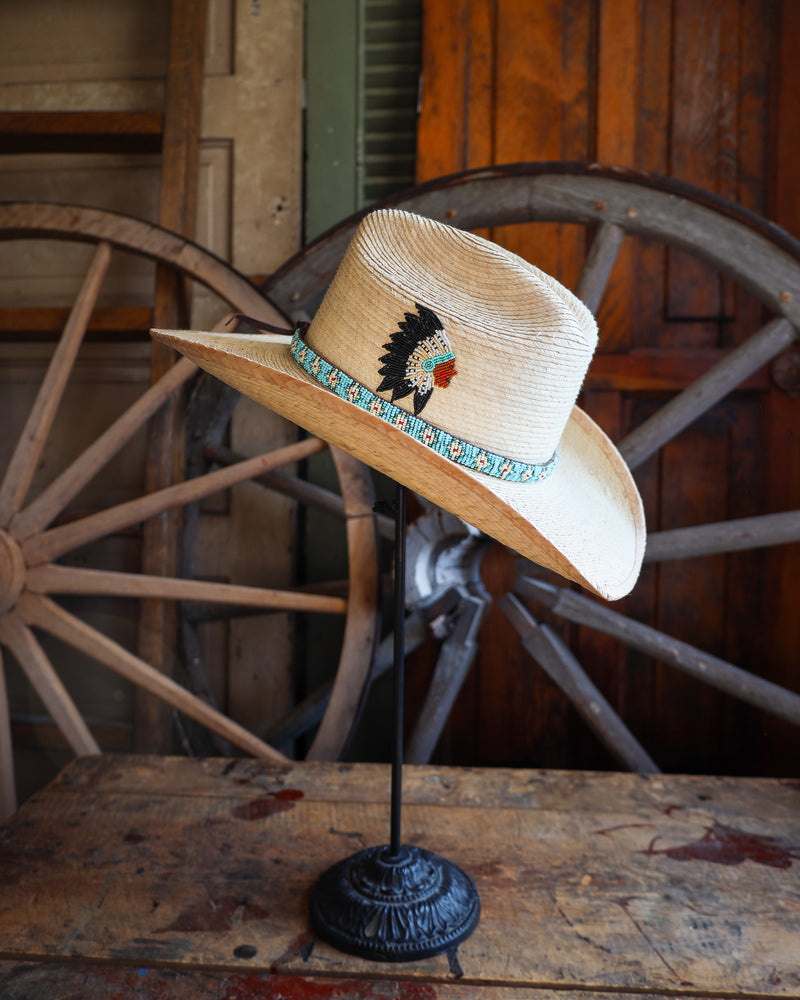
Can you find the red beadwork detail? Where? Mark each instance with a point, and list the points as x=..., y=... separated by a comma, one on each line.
x=444, y=372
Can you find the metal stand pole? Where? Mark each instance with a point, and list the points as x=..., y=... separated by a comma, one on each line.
x=395, y=903
x=398, y=678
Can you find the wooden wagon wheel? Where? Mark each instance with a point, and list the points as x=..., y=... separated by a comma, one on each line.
x=35, y=533
x=617, y=204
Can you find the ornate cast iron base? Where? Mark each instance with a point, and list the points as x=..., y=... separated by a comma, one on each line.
x=394, y=909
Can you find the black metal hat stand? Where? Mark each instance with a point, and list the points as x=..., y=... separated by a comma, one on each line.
x=396, y=902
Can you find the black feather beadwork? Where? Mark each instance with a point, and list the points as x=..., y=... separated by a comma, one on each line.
x=419, y=335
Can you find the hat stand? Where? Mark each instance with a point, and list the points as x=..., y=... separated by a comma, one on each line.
x=396, y=902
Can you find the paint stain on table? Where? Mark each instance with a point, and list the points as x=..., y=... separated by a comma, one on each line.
x=726, y=845
x=271, y=987
x=268, y=805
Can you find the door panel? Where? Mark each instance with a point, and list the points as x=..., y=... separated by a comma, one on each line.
x=690, y=91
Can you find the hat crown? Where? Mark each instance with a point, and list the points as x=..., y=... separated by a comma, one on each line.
x=513, y=347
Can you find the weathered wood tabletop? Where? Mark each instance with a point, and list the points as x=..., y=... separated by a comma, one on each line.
x=174, y=878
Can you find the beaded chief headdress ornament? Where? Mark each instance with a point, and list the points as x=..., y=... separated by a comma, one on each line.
x=418, y=358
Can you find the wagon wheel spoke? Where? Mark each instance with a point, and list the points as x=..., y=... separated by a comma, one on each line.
x=707, y=390
x=310, y=710
x=55, y=497
x=55, y=542
x=309, y=494
x=455, y=659
x=39, y=611
x=599, y=264
x=555, y=658
x=8, y=785
x=303, y=717
x=197, y=611
x=52, y=500
x=49, y=578
x=15, y=634
x=710, y=669
x=735, y=535
x=23, y=462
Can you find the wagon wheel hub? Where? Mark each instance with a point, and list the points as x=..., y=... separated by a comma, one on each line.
x=442, y=552
x=12, y=572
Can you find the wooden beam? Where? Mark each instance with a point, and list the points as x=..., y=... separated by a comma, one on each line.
x=81, y=123
x=81, y=131
x=662, y=369
x=51, y=319
x=177, y=210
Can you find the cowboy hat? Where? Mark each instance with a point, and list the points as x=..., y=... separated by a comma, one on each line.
x=453, y=366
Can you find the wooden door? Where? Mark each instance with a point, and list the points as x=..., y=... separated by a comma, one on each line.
x=59, y=61
x=703, y=93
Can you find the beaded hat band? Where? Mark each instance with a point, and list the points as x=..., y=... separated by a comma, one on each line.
x=444, y=444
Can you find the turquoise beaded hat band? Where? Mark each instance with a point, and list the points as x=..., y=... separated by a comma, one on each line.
x=447, y=445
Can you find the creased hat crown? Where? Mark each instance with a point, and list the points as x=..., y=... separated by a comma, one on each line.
x=519, y=342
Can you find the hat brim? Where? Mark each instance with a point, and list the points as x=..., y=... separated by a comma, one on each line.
x=585, y=521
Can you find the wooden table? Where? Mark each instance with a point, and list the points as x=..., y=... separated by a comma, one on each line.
x=174, y=878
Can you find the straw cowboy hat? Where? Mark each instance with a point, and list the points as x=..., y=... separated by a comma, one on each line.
x=453, y=366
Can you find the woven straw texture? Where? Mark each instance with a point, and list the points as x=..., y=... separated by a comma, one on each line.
x=522, y=344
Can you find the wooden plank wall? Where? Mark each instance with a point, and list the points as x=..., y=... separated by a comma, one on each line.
x=707, y=93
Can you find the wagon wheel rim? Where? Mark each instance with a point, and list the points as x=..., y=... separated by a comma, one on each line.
x=30, y=541
x=617, y=204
